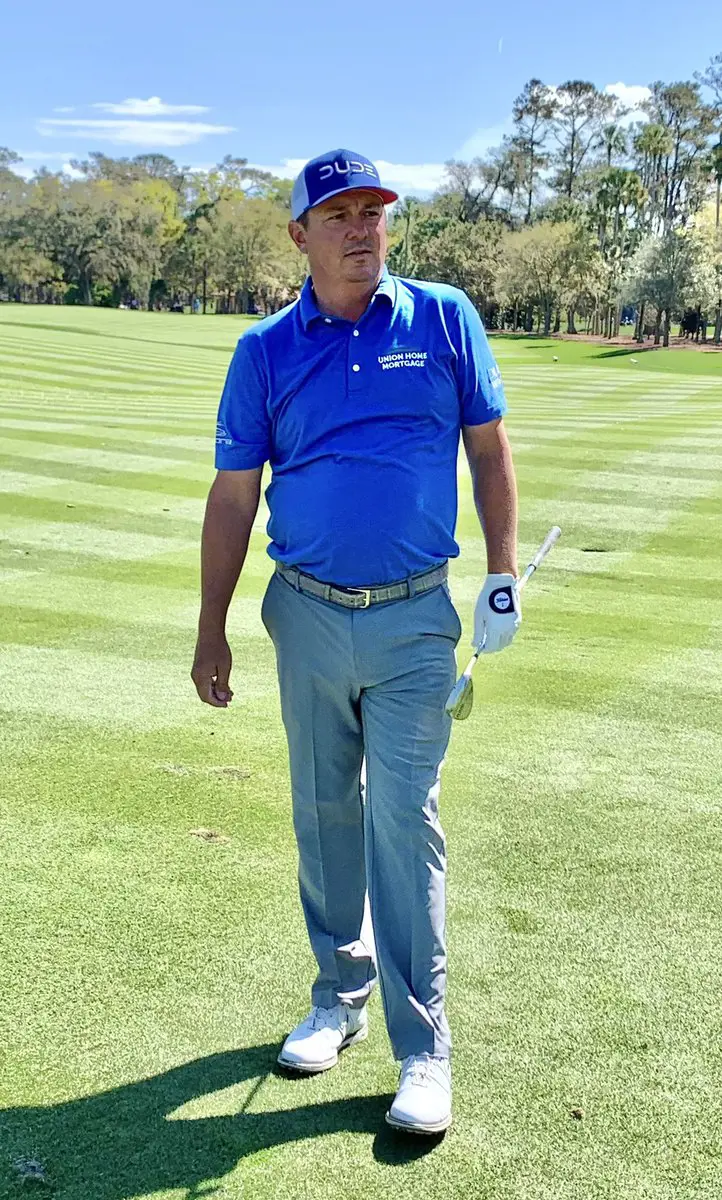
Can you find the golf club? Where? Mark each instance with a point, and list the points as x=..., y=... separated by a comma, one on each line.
x=461, y=696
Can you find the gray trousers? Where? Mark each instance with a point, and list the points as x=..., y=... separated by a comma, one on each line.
x=367, y=687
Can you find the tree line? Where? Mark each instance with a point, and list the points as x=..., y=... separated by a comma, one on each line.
x=580, y=215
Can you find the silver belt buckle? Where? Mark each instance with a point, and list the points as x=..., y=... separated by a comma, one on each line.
x=366, y=592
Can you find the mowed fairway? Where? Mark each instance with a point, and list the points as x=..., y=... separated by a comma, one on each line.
x=148, y=976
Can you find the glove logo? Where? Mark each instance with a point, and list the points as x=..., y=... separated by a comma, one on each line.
x=501, y=600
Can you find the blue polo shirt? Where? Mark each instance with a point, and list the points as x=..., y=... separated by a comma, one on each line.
x=360, y=423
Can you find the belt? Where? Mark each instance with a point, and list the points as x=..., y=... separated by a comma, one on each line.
x=354, y=597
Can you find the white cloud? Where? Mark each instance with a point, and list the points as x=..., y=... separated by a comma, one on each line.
x=288, y=168
x=411, y=178
x=487, y=136
x=34, y=160
x=632, y=96
x=404, y=178
x=152, y=107
x=53, y=162
x=43, y=156
x=64, y=109
x=134, y=133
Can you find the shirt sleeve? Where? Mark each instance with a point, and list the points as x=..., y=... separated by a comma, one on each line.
x=481, y=391
x=243, y=432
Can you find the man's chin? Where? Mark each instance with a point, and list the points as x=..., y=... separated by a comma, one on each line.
x=361, y=270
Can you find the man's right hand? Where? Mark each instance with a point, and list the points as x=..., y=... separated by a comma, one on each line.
x=211, y=670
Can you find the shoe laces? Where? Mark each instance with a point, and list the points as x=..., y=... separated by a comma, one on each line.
x=324, y=1018
x=416, y=1069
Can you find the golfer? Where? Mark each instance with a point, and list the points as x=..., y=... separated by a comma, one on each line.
x=356, y=394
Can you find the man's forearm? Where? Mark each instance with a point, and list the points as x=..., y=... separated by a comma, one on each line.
x=224, y=545
x=494, y=485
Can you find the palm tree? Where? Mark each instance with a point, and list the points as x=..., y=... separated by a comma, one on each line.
x=653, y=145
x=620, y=194
x=613, y=138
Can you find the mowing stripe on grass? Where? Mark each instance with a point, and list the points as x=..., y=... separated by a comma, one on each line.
x=581, y=800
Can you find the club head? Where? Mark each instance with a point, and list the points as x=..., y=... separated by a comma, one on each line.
x=461, y=699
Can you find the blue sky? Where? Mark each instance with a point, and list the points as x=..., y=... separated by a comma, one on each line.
x=410, y=85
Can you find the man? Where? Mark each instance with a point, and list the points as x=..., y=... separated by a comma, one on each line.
x=357, y=394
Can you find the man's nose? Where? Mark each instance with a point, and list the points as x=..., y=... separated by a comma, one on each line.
x=357, y=226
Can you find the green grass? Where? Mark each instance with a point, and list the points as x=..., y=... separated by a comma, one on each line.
x=147, y=977
x=705, y=361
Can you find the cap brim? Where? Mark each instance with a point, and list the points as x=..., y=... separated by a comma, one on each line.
x=386, y=194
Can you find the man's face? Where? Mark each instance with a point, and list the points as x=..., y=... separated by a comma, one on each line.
x=345, y=237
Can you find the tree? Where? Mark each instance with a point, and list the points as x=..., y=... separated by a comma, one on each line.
x=613, y=141
x=253, y=253
x=713, y=170
x=544, y=267
x=400, y=256
x=670, y=272
x=711, y=78
x=471, y=187
x=618, y=202
x=653, y=146
x=678, y=109
x=8, y=158
x=131, y=170
x=532, y=113
x=513, y=175
x=579, y=111
x=462, y=254
x=151, y=226
x=710, y=234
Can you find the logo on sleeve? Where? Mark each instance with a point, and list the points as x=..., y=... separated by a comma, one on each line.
x=494, y=377
x=501, y=600
x=223, y=437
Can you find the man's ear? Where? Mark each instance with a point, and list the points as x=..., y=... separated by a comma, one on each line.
x=298, y=235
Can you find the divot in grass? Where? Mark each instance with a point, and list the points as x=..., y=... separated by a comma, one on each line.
x=30, y=1170
x=230, y=772
x=209, y=835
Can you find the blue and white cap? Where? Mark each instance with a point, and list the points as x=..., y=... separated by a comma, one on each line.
x=334, y=172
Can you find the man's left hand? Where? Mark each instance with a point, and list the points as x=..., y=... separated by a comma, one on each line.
x=497, y=615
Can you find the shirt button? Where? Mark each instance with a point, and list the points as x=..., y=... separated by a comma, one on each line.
x=356, y=367
x=327, y=320
x=355, y=332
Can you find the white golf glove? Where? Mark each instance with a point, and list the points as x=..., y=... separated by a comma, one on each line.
x=497, y=615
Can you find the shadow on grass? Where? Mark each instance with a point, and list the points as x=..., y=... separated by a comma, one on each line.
x=120, y=1143
x=520, y=335
x=625, y=351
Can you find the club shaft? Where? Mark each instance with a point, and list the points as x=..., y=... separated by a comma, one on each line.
x=551, y=538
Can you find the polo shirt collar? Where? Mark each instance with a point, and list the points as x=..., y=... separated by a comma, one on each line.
x=310, y=311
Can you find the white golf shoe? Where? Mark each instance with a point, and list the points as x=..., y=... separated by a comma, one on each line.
x=423, y=1101
x=313, y=1045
